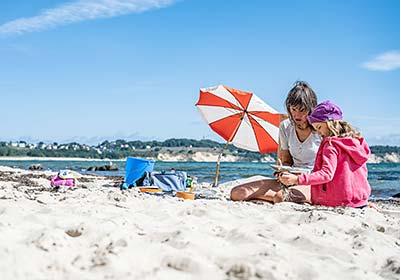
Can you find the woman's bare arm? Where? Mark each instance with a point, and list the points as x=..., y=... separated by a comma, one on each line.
x=285, y=157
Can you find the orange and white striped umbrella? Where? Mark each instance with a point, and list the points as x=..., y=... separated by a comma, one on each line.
x=240, y=117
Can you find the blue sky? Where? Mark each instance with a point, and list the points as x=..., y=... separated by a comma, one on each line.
x=90, y=71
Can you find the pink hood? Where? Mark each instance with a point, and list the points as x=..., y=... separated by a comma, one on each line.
x=357, y=149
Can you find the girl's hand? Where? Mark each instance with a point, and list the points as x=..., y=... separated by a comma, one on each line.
x=288, y=179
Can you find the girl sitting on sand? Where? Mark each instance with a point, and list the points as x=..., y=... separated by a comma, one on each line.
x=339, y=177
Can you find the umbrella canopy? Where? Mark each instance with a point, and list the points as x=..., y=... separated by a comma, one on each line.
x=240, y=117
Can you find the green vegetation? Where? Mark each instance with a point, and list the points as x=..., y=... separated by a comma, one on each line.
x=382, y=150
x=145, y=149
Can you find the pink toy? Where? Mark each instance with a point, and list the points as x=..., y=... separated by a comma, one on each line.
x=57, y=181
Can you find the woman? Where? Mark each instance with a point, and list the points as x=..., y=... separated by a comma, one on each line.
x=340, y=174
x=298, y=144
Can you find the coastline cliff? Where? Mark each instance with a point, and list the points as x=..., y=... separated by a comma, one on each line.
x=168, y=150
x=203, y=156
x=212, y=157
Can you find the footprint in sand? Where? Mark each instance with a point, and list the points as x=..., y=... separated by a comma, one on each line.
x=48, y=241
x=100, y=256
x=173, y=239
x=180, y=263
x=240, y=270
x=117, y=196
x=75, y=231
x=358, y=243
x=102, y=252
x=198, y=212
x=391, y=269
x=238, y=235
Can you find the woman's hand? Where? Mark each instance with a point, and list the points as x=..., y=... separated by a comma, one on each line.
x=288, y=179
x=277, y=173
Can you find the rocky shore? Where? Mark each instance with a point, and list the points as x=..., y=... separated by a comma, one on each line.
x=386, y=158
x=206, y=157
x=212, y=157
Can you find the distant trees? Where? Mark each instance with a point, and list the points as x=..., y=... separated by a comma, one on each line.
x=7, y=151
x=122, y=148
x=381, y=150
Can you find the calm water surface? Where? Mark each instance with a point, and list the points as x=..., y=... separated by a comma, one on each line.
x=383, y=177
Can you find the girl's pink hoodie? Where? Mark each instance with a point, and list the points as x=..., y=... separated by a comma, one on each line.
x=339, y=177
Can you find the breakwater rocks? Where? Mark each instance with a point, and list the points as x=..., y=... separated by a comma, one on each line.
x=36, y=166
x=386, y=158
x=109, y=167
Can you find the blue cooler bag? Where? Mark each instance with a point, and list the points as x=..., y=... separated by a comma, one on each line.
x=135, y=168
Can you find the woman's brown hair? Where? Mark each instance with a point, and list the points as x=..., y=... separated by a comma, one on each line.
x=301, y=95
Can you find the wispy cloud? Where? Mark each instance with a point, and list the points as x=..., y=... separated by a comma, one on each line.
x=384, y=62
x=77, y=11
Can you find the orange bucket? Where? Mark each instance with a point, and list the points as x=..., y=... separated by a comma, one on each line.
x=151, y=190
x=185, y=195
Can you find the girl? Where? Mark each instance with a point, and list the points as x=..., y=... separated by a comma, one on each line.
x=339, y=177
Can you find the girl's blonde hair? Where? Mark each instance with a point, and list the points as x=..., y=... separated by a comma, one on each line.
x=341, y=128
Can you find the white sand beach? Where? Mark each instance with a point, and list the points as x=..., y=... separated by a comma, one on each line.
x=96, y=231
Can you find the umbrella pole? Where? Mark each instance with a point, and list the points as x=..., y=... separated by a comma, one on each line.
x=223, y=149
x=218, y=164
x=217, y=171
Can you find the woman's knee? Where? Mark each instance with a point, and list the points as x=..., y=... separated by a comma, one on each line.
x=239, y=194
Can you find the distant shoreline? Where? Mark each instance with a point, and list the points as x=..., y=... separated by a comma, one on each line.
x=55, y=159
x=197, y=157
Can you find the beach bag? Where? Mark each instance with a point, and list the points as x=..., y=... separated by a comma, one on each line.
x=135, y=168
x=168, y=181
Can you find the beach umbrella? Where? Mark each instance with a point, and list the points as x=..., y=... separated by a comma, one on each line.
x=241, y=118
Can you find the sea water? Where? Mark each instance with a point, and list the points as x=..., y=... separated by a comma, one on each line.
x=384, y=178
